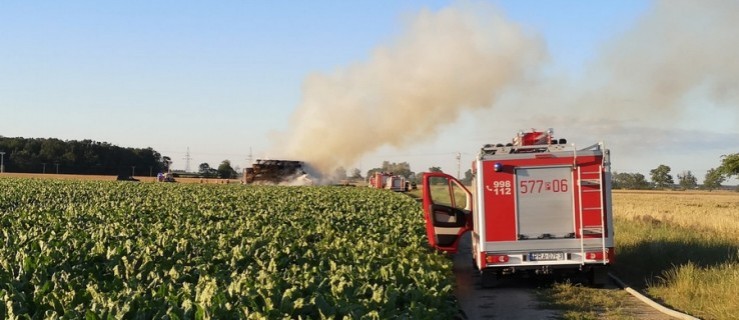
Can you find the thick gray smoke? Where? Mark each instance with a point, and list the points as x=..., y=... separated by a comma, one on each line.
x=680, y=53
x=458, y=58
x=664, y=91
x=678, y=64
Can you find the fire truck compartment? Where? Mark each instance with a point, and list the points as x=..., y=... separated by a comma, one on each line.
x=544, y=203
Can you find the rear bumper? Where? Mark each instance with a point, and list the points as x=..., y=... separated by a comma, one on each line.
x=558, y=259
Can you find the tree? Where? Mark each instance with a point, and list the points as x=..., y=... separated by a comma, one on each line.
x=661, y=176
x=225, y=171
x=357, y=174
x=713, y=179
x=203, y=168
x=206, y=171
x=629, y=181
x=435, y=169
x=687, y=180
x=730, y=165
x=618, y=180
x=340, y=174
x=415, y=178
x=467, y=177
x=401, y=169
x=42, y=155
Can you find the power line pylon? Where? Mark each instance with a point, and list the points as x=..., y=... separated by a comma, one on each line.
x=187, y=159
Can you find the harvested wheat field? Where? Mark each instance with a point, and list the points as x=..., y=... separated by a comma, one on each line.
x=682, y=248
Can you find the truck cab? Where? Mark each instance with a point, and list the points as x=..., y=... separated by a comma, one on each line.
x=536, y=206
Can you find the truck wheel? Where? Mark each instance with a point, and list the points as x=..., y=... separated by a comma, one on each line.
x=598, y=277
x=489, y=279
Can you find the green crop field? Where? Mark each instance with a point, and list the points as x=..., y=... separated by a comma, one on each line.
x=104, y=249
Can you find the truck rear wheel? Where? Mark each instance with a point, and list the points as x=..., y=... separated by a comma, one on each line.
x=598, y=277
x=489, y=278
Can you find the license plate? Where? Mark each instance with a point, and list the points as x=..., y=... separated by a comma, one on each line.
x=546, y=256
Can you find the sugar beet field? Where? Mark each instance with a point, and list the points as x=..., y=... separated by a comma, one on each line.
x=102, y=249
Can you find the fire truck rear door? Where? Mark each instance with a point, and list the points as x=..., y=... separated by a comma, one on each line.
x=545, y=202
x=447, y=206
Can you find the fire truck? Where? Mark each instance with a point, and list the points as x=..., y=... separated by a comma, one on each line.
x=387, y=180
x=537, y=206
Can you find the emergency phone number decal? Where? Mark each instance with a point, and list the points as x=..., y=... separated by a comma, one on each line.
x=500, y=187
x=540, y=186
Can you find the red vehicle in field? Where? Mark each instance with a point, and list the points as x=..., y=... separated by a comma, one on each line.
x=378, y=180
x=537, y=206
x=385, y=180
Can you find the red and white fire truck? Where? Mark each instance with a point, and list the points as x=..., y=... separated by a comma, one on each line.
x=538, y=205
x=387, y=180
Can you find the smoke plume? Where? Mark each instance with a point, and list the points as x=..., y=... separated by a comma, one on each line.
x=670, y=82
x=461, y=57
x=679, y=54
x=678, y=65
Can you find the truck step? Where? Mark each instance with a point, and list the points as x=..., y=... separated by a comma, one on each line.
x=591, y=230
x=592, y=208
x=589, y=182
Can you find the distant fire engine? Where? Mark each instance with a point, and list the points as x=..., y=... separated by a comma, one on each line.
x=387, y=180
x=539, y=206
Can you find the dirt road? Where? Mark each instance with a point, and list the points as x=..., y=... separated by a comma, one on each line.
x=516, y=298
x=513, y=300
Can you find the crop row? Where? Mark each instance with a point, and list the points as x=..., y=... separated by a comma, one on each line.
x=72, y=249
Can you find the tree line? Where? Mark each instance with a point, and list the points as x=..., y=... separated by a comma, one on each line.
x=662, y=179
x=224, y=170
x=50, y=155
x=404, y=169
x=42, y=155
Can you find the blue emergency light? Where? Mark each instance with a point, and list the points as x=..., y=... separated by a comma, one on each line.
x=498, y=167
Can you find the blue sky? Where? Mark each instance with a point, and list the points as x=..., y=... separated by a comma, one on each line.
x=224, y=77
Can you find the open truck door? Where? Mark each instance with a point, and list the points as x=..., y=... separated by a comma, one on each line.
x=447, y=207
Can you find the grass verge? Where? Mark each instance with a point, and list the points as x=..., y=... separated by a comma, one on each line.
x=579, y=302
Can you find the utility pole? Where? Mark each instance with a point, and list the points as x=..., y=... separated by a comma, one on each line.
x=133, y=171
x=459, y=158
x=57, y=167
x=187, y=159
x=44, y=171
x=2, y=161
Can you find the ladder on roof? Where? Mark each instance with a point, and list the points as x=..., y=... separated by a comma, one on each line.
x=590, y=180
